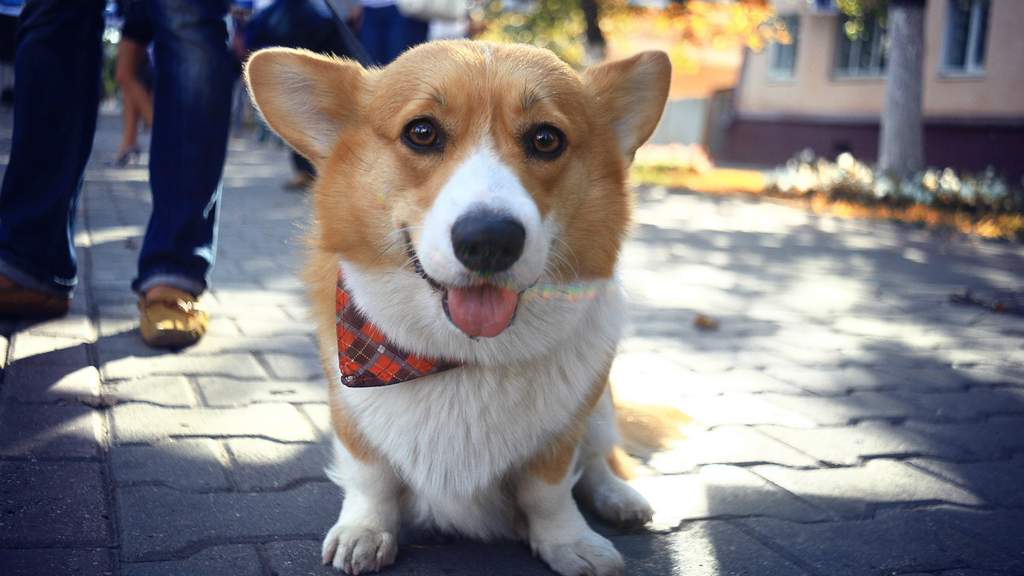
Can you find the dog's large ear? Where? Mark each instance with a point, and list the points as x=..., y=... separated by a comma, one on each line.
x=632, y=94
x=305, y=97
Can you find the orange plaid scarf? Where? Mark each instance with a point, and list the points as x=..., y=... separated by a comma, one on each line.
x=365, y=355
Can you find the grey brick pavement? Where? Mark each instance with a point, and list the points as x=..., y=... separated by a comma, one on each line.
x=846, y=418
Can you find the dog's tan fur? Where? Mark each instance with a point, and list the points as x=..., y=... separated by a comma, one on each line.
x=372, y=189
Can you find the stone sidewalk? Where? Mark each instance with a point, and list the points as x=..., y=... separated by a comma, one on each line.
x=846, y=418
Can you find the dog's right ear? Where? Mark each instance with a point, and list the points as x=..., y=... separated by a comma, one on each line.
x=305, y=97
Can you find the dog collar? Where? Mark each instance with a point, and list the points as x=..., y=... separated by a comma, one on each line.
x=365, y=355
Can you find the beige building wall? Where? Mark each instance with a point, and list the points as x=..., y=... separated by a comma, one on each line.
x=814, y=90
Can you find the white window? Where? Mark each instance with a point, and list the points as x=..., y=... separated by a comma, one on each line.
x=783, y=56
x=861, y=47
x=966, y=35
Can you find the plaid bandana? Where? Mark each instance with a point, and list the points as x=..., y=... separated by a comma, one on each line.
x=366, y=357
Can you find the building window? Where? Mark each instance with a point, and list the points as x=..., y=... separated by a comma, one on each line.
x=966, y=35
x=861, y=47
x=783, y=56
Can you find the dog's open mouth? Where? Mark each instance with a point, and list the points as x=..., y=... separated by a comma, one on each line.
x=482, y=310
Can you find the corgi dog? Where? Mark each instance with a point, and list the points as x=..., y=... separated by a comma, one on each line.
x=470, y=207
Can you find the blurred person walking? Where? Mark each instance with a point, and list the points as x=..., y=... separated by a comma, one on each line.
x=9, y=11
x=135, y=77
x=385, y=32
x=307, y=24
x=58, y=60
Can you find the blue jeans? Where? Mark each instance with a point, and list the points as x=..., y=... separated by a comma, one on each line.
x=56, y=99
x=386, y=33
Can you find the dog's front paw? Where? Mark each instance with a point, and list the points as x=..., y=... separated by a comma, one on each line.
x=621, y=504
x=359, y=549
x=589, y=555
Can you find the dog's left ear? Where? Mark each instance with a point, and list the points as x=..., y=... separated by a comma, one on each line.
x=305, y=97
x=632, y=94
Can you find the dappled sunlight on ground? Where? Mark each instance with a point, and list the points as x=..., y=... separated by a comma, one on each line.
x=839, y=415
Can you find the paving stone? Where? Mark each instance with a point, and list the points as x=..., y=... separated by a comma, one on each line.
x=702, y=549
x=183, y=464
x=726, y=445
x=455, y=558
x=233, y=365
x=996, y=528
x=137, y=423
x=40, y=430
x=264, y=465
x=830, y=381
x=320, y=415
x=993, y=438
x=152, y=524
x=261, y=327
x=738, y=381
x=988, y=374
x=740, y=409
x=292, y=367
x=715, y=492
x=46, y=561
x=51, y=383
x=896, y=542
x=170, y=391
x=53, y=505
x=839, y=410
x=126, y=344
x=237, y=559
x=967, y=404
x=235, y=311
x=77, y=326
x=847, y=445
x=122, y=331
x=302, y=558
x=856, y=491
x=37, y=349
x=960, y=572
x=231, y=392
x=997, y=483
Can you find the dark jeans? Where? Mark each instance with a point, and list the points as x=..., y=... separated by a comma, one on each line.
x=386, y=33
x=56, y=99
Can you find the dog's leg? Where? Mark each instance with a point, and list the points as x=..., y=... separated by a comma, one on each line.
x=364, y=539
x=557, y=531
x=609, y=496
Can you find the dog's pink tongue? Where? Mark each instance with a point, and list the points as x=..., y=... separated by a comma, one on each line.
x=482, y=310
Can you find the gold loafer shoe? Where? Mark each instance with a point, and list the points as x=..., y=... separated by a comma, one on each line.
x=171, y=318
x=16, y=301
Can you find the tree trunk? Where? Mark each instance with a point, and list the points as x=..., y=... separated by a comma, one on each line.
x=901, y=143
x=595, y=49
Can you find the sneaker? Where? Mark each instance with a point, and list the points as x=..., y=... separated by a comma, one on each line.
x=170, y=318
x=18, y=301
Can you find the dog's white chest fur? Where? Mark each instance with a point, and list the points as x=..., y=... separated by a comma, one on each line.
x=457, y=436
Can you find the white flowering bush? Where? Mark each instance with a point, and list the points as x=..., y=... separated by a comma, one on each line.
x=847, y=178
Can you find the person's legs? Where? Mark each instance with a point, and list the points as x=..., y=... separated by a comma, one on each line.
x=373, y=33
x=192, y=102
x=194, y=76
x=404, y=33
x=56, y=100
x=130, y=57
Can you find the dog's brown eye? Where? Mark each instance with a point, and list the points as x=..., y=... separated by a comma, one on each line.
x=545, y=142
x=422, y=135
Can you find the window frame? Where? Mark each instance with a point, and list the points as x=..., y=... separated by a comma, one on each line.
x=971, y=68
x=786, y=74
x=877, y=56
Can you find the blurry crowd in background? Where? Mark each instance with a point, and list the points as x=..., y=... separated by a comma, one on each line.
x=908, y=109
x=374, y=32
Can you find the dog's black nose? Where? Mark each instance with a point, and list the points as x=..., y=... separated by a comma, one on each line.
x=488, y=242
